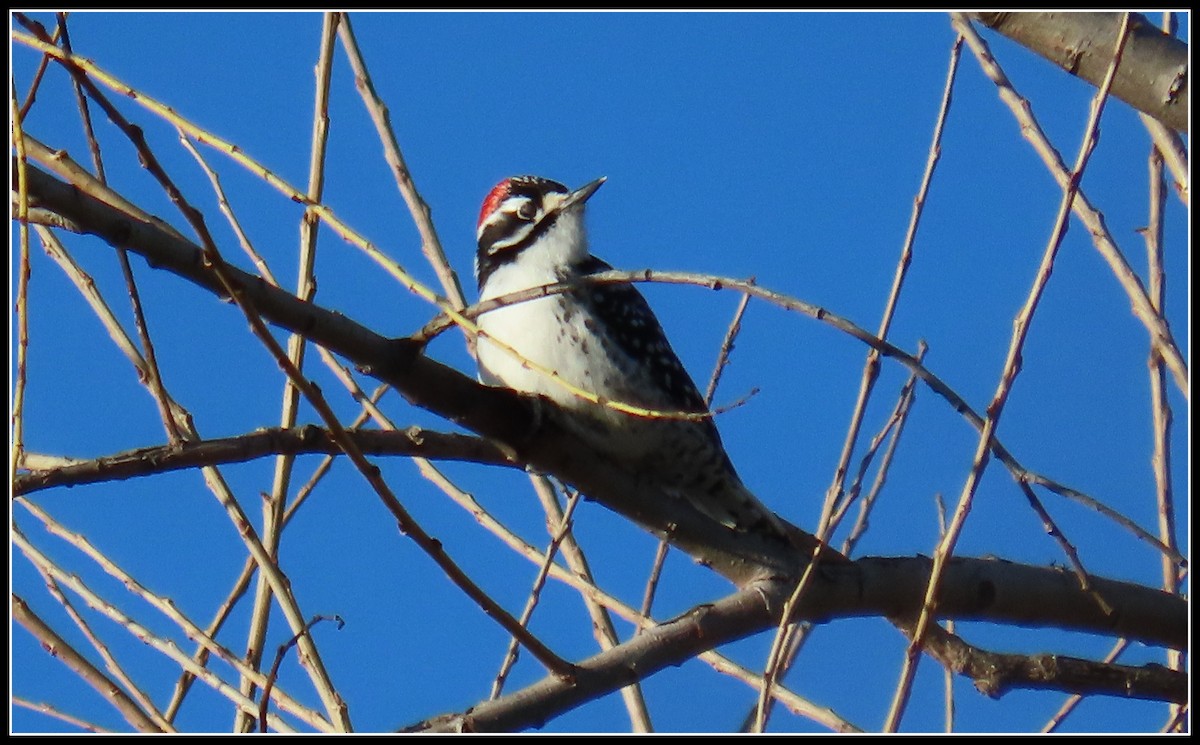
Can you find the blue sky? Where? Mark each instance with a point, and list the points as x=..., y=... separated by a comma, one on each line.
x=787, y=147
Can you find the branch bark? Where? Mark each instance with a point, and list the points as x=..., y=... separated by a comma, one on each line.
x=890, y=587
x=533, y=431
x=1152, y=78
x=148, y=461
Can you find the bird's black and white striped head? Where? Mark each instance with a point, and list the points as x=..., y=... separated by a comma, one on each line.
x=531, y=215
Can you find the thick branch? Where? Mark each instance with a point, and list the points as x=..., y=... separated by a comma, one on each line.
x=1005, y=592
x=1152, y=78
x=868, y=586
x=532, y=428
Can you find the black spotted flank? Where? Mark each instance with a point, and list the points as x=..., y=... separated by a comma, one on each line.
x=624, y=313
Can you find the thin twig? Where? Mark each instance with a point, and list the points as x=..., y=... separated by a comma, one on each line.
x=1102, y=239
x=948, y=673
x=1174, y=154
x=22, y=300
x=430, y=245
x=894, y=425
x=660, y=557
x=51, y=711
x=63, y=651
x=85, y=113
x=154, y=382
x=731, y=333
x=1012, y=366
x=273, y=673
x=557, y=533
x=227, y=210
x=43, y=63
x=834, y=494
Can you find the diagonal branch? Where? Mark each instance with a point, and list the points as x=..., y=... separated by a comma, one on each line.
x=431, y=246
x=59, y=648
x=498, y=414
x=1153, y=78
x=1102, y=238
x=1008, y=376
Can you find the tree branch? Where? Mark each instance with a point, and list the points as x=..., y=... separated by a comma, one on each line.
x=535, y=432
x=148, y=461
x=1153, y=77
x=877, y=582
x=534, y=429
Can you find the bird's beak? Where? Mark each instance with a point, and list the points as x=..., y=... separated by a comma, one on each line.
x=582, y=194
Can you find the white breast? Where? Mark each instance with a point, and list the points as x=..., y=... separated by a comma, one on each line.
x=543, y=332
x=550, y=332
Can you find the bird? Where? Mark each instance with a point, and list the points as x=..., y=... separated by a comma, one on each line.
x=602, y=339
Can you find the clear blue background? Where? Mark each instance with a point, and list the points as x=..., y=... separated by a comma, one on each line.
x=787, y=147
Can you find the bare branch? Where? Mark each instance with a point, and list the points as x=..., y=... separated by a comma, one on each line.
x=309, y=439
x=496, y=413
x=1008, y=376
x=757, y=607
x=1102, y=239
x=834, y=495
x=430, y=245
x=53, y=712
x=59, y=648
x=1153, y=78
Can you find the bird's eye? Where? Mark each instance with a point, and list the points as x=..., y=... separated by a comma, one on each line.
x=527, y=211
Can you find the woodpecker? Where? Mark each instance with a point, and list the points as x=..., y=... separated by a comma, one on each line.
x=603, y=339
